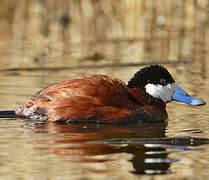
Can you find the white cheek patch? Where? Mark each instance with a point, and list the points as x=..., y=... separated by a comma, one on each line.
x=161, y=92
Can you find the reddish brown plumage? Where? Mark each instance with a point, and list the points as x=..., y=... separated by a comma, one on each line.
x=93, y=98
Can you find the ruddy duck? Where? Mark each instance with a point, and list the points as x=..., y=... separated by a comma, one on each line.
x=101, y=98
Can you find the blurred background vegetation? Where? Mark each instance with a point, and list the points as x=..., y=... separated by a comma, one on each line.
x=44, y=34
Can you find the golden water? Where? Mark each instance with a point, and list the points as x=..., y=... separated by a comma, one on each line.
x=37, y=151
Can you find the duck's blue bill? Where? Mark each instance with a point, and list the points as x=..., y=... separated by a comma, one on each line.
x=181, y=96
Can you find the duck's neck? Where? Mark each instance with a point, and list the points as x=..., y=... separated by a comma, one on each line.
x=144, y=98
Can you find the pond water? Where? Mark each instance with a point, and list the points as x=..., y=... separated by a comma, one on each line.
x=177, y=148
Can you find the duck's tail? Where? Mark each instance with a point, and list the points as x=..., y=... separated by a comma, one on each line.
x=8, y=114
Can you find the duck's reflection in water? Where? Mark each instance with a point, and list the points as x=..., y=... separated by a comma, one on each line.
x=81, y=140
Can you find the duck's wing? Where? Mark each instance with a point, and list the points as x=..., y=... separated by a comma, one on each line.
x=94, y=98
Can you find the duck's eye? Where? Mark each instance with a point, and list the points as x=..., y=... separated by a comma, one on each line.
x=163, y=81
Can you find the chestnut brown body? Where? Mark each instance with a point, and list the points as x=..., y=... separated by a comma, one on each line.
x=96, y=98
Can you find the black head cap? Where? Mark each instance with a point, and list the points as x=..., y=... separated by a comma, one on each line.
x=154, y=74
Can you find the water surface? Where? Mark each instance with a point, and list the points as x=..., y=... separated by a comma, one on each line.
x=31, y=150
